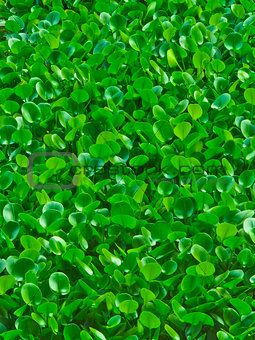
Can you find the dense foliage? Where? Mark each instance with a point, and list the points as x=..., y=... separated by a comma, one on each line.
x=154, y=239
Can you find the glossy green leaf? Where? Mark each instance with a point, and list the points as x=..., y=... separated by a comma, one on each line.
x=184, y=207
x=233, y=41
x=80, y=96
x=205, y=268
x=221, y=102
x=31, y=294
x=128, y=306
x=149, y=320
x=182, y=130
x=117, y=22
x=6, y=282
x=59, y=283
x=249, y=95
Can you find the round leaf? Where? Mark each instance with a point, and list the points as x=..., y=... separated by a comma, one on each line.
x=233, y=41
x=31, y=294
x=59, y=283
x=205, y=268
x=149, y=320
x=182, y=130
x=249, y=95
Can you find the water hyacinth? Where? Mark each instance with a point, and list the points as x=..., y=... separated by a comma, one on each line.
x=127, y=150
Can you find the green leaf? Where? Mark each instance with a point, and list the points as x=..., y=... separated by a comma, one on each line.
x=195, y=111
x=163, y=130
x=184, y=207
x=114, y=321
x=6, y=282
x=225, y=230
x=98, y=335
x=197, y=35
x=149, y=98
x=242, y=307
x=165, y=188
x=187, y=43
x=171, y=59
x=233, y=41
x=31, y=294
x=172, y=332
x=20, y=268
x=128, y=306
x=249, y=228
x=221, y=102
x=197, y=318
x=115, y=94
x=11, y=106
x=199, y=253
x=179, y=311
x=221, y=335
x=205, y=268
x=118, y=22
x=80, y=96
x=147, y=295
x=150, y=269
x=149, y=320
x=238, y=10
x=57, y=245
x=249, y=95
x=59, y=283
x=44, y=90
x=14, y=24
x=52, y=40
x=22, y=136
x=182, y=130
x=247, y=128
x=225, y=183
x=139, y=160
x=11, y=230
x=200, y=59
x=53, y=17
x=218, y=65
x=142, y=83
x=246, y=178
x=31, y=112
x=71, y=331
x=6, y=180
x=137, y=42
x=30, y=242
x=47, y=308
x=55, y=163
x=24, y=91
